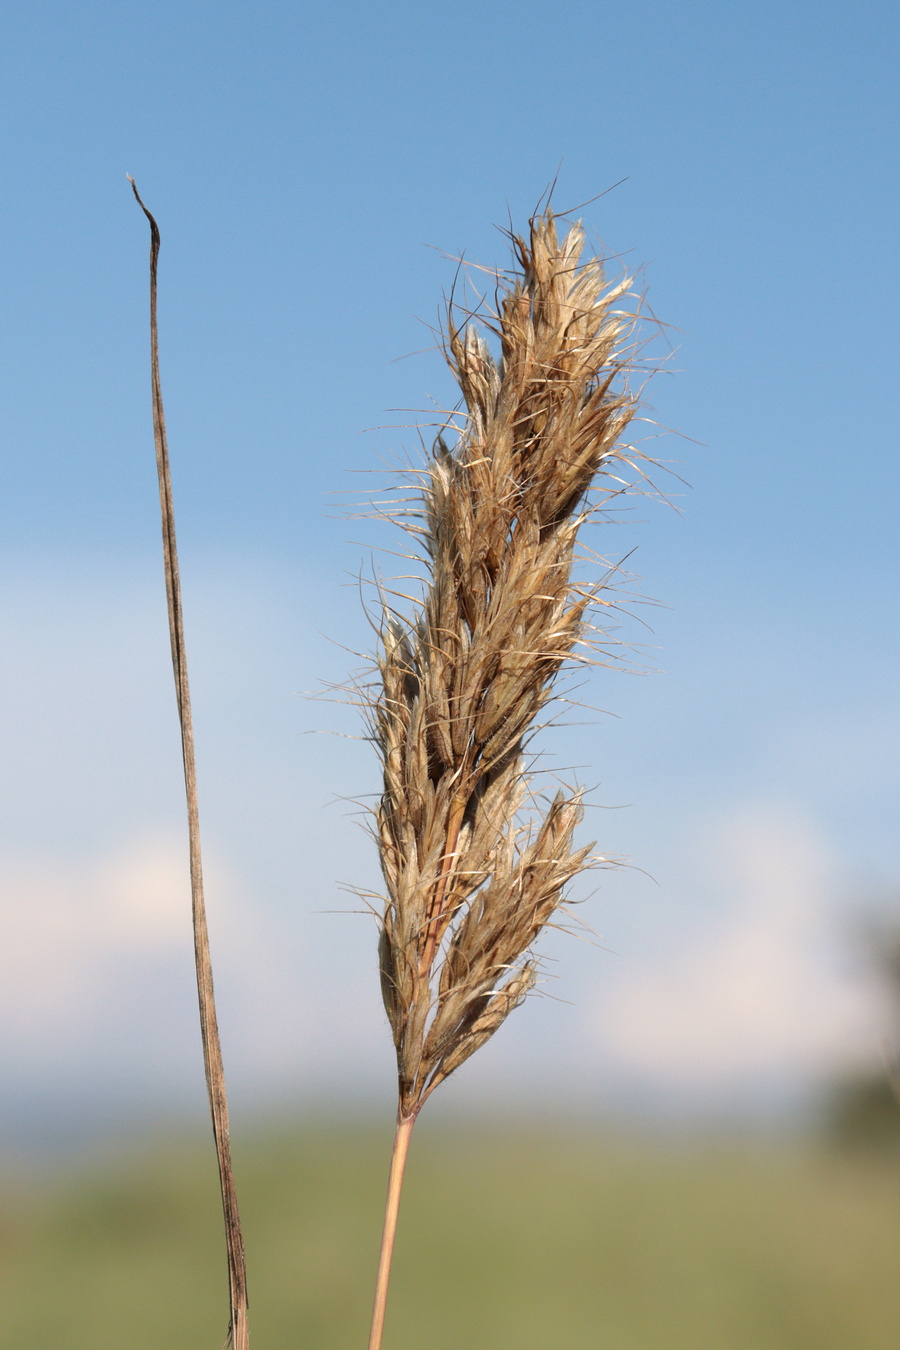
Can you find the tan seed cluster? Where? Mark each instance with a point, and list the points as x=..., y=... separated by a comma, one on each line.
x=463, y=680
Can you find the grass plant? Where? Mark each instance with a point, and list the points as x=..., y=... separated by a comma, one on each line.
x=474, y=865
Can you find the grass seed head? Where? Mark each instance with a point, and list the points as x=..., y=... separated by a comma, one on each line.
x=466, y=675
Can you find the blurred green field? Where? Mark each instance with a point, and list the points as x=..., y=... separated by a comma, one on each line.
x=510, y=1240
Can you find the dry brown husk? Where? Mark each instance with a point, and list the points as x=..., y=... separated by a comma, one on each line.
x=465, y=678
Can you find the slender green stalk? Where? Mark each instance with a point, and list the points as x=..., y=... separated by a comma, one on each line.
x=238, y=1331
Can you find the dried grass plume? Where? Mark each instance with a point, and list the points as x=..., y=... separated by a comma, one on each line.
x=465, y=677
x=472, y=873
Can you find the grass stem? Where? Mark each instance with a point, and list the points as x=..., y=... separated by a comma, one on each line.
x=238, y=1332
x=392, y=1208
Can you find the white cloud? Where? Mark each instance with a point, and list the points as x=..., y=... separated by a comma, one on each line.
x=95, y=958
x=765, y=992
x=97, y=953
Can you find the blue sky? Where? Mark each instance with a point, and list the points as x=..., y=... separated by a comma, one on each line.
x=311, y=169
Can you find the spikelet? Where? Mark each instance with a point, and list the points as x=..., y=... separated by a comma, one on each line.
x=465, y=677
